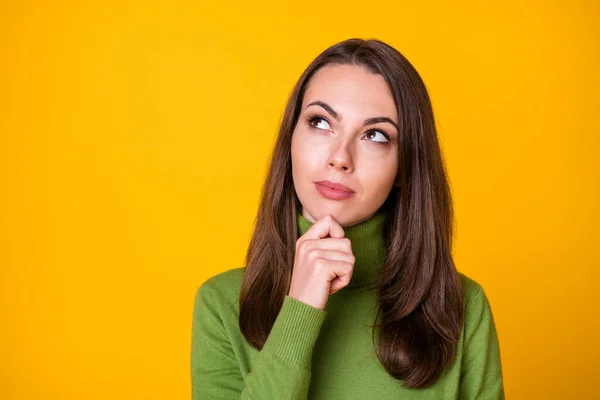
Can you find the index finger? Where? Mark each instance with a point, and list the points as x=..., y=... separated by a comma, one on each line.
x=326, y=226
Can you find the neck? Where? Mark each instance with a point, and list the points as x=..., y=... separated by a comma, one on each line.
x=368, y=247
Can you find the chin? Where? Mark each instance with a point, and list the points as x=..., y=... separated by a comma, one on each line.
x=339, y=213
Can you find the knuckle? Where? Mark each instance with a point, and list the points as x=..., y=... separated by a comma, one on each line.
x=319, y=263
x=301, y=245
x=347, y=243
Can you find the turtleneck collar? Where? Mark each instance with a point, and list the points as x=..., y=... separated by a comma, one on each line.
x=368, y=247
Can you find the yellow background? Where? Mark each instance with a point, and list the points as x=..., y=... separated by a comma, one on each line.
x=133, y=145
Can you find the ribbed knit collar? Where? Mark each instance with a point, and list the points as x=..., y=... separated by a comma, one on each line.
x=368, y=247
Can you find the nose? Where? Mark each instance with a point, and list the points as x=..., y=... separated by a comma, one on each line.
x=341, y=157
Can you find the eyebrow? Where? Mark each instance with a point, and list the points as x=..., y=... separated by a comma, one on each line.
x=368, y=121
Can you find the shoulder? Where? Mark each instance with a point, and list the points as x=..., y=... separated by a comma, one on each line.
x=226, y=281
x=223, y=287
x=471, y=286
x=476, y=300
x=475, y=295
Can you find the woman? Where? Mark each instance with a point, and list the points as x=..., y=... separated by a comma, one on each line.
x=349, y=289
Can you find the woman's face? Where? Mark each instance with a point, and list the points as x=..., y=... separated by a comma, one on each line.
x=346, y=133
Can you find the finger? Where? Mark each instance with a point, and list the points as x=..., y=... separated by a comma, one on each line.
x=337, y=244
x=340, y=281
x=332, y=255
x=326, y=226
x=335, y=269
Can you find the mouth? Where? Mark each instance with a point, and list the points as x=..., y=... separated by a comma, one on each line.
x=338, y=192
x=335, y=186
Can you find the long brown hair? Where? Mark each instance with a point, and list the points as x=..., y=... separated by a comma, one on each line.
x=420, y=294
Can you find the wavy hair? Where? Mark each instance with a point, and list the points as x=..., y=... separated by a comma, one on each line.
x=420, y=295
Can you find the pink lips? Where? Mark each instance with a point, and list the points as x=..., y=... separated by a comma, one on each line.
x=333, y=190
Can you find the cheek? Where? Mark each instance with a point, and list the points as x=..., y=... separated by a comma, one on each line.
x=381, y=182
x=305, y=152
x=300, y=160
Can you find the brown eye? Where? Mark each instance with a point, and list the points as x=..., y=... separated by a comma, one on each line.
x=372, y=133
x=319, y=123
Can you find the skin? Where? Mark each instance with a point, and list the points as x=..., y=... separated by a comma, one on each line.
x=360, y=157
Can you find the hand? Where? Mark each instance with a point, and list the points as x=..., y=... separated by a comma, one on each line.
x=323, y=263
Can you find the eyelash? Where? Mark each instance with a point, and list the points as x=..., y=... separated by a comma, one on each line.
x=317, y=117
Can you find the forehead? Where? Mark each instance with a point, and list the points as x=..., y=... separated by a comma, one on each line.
x=351, y=88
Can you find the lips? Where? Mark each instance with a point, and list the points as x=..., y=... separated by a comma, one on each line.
x=336, y=186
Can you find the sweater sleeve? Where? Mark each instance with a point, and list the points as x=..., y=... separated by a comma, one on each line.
x=481, y=371
x=281, y=370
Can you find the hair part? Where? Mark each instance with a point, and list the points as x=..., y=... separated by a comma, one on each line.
x=420, y=295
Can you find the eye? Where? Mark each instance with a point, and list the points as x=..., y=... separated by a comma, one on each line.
x=319, y=122
x=381, y=133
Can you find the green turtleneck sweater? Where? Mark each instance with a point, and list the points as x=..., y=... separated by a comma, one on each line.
x=329, y=354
